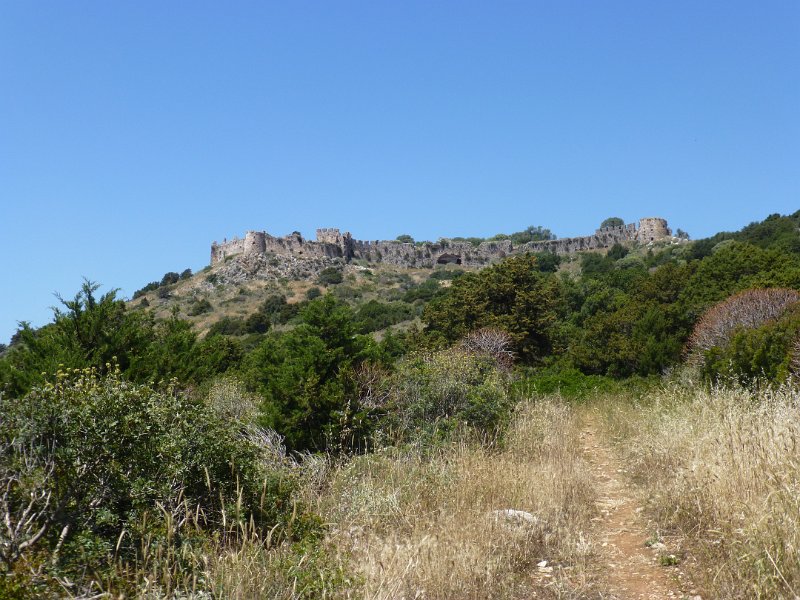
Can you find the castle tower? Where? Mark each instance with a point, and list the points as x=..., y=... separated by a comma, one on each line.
x=652, y=229
x=255, y=242
x=329, y=235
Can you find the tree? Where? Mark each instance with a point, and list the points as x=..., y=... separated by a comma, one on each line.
x=532, y=233
x=305, y=376
x=405, y=238
x=86, y=331
x=612, y=222
x=169, y=278
x=513, y=296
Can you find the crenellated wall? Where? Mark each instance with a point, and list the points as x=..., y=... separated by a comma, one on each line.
x=331, y=243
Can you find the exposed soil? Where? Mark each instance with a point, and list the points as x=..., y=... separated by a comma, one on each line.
x=632, y=569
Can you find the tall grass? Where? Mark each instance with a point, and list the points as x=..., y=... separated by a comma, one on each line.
x=235, y=563
x=721, y=470
x=418, y=522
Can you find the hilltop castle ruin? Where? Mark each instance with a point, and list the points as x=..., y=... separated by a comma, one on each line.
x=331, y=243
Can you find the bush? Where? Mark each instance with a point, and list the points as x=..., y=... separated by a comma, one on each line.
x=425, y=291
x=444, y=391
x=617, y=251
x=330, y=276
x=169, y=278
x=228, y=326
x=748, y=337
x=374, y=315
x=573, y=384
x=114, y=468
x=199, y=307
x=748, y=310
x=258, y=322
x=593, y=264
x=347, y=292
x=547, y=261
x=313, y=292
x=444, y=274
x=153, y=285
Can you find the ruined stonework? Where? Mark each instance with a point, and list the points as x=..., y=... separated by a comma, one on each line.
x=330, y=243
x=652, y=229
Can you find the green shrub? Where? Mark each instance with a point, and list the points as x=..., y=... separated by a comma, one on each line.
x=425, y=291
x=199, y=307
x=617, y=251
x=258, y=322
x=573, y=384
x=313, y=292
x=153, y=285
x=448, y=390
x=169, y=278
x=114, y=469
x=374, y=315
x=347, y=292
x=758, y=354
x=228, y=326
x=445, y=274
x=512, y=295
x=305, y=376
x=330, y=276
x=547, y=262
x=593, y=264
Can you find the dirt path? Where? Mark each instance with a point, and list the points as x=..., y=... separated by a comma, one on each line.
x=633, y=570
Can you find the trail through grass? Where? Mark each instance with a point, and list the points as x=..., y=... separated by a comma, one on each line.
x=635, y=565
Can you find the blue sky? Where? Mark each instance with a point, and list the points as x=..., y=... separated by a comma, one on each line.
x=134, y=134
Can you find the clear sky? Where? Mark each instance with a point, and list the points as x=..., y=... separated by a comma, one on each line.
x=133, y=134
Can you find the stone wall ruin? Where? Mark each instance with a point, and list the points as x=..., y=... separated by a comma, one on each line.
x=332, y=243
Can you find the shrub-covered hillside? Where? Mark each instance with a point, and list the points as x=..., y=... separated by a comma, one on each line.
x=151, y=446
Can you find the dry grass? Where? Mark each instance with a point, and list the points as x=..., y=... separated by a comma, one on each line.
x=418, y=523
x=245, y=298
x=721, y=470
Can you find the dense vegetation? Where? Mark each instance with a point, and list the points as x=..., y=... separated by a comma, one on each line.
x=120, y=432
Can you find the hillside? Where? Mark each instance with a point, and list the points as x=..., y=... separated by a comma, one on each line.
x=237, y=283
x=619, y=422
